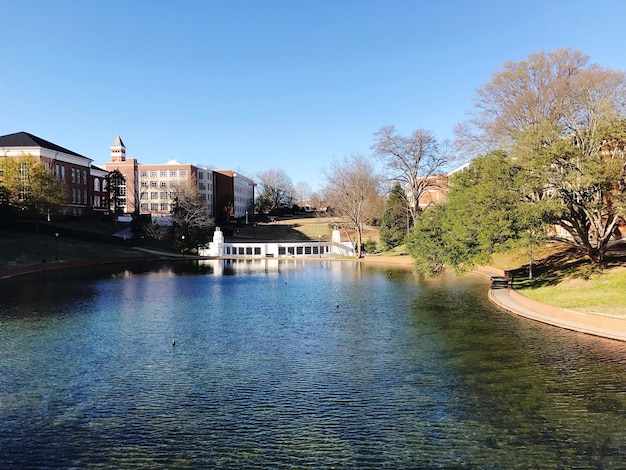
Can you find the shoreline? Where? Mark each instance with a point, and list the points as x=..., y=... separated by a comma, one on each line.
x=512, y=301
x=506, y=298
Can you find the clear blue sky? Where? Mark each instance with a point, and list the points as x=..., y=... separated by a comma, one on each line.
x=252, y=85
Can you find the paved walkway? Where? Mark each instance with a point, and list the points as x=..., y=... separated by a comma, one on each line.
x=584, y=322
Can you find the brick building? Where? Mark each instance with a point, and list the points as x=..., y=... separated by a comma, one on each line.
x=73, y=169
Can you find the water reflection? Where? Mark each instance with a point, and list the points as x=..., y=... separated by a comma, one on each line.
x=295, y=364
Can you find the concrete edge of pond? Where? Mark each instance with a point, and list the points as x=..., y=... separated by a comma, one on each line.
x=512, y=301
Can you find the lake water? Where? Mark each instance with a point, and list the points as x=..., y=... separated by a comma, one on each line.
x=295, y=365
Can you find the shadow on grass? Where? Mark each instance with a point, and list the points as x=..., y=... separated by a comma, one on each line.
x=568, y=264
x=270, y=232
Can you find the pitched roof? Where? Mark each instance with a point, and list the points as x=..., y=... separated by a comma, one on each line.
x=118, y=142
x=24, y=139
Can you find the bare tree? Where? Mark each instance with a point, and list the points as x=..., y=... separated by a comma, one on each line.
x=191, y=217
x=156, y=231
x=562, y=121
x=277, y=190
x=302, y=191
x=353, y=192
x=412, y=161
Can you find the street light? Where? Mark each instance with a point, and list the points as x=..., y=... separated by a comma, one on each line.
x=56, y=246
x=182, y=250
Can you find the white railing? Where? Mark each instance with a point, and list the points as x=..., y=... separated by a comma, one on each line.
x=276, y=249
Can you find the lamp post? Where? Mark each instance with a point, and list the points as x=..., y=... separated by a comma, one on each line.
x=246, y=217
x=56, y=246
x=182, y=250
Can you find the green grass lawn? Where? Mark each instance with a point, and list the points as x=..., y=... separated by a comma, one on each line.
x=566, y=279
x=600, y=293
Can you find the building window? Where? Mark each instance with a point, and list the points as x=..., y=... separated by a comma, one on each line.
x=164, y=206
x=143, y=195
x=202, y=186
x=84, y=176
x=153, y=173
x=96, y=184
x=73, y=176
x=144, y=206
x=73, y=195
x=96, y=201
x=163, y=184
x=200, y=176
x=172, y=184
x=164, y=195
x=154, y=195
x=154, y=207
x=144, y=184
x=183, y=172
x=143, y=173
x=163, y=173
x=257, y=250
x=172, y=172
x=153, y=184
x=84, y=196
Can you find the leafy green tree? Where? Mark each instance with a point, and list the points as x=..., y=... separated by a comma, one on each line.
x=561, y=119
x=426, y=243
x=29, y=185
x=486, y=213
x=394, y=225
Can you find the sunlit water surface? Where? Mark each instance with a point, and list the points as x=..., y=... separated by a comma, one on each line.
x=295, y=365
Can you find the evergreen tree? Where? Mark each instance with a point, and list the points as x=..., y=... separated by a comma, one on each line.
x=394, y=225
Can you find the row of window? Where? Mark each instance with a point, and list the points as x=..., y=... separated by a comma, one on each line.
x=76, y=176
x=290, y=250
x=163, y=173
x=76, y=196
x=163, y=206
x=164, y=195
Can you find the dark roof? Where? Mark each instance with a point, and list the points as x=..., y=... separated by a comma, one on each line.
x=24, y=139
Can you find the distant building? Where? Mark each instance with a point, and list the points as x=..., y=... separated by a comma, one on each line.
x=150, y=188
x=128, y=168
x=234, y=194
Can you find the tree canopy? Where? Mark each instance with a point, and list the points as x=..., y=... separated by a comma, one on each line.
x=28, y=184
x=412, y=161
x=484, y=215
x=561, y=121
x=352, y=190
x=277, y=190
x=394, y=224
x=191, y=218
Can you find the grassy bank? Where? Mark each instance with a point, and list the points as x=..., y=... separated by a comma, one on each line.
x=18, y=249
x=564, y=278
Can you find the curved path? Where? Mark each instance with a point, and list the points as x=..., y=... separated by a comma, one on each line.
x=512, y=301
